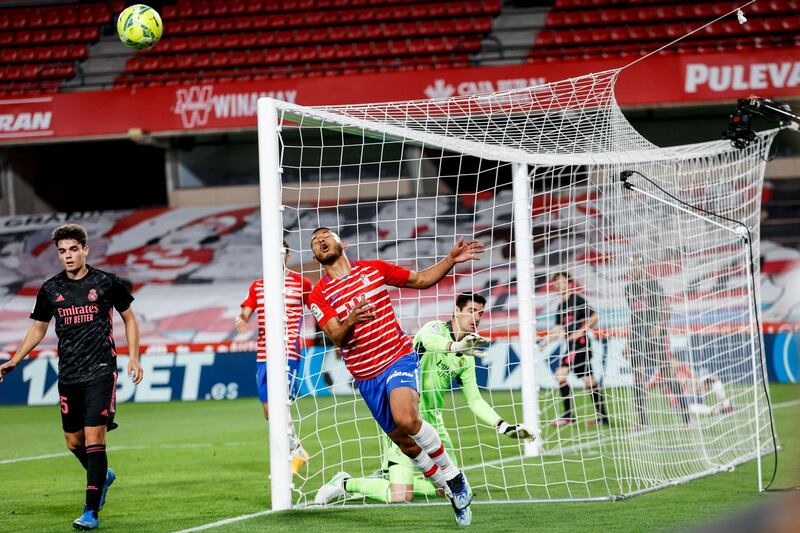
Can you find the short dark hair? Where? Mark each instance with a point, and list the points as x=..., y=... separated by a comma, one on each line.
x=70, y=231
x=465, y=297
x=325, y=228
x=561, y=274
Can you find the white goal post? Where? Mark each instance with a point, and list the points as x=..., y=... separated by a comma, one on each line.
x=674, y=357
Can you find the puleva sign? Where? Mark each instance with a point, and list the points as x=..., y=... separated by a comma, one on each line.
x=742, y=77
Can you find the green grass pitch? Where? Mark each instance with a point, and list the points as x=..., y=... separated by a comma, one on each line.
x=186, y=464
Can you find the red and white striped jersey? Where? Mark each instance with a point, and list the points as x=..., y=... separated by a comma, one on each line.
x=297, y=290
x=373, y=345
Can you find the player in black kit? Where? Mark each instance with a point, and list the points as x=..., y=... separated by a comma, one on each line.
x=81, y=299
x=574, y=318
x=648, y=342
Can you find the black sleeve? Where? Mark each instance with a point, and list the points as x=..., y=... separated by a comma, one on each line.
x=559, y=315
x=577, y=302
x=581, y=307
x=43, y=309
x=660, y=304
x=121, y=296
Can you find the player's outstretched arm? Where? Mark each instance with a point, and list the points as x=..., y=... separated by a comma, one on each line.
x=468, y=345
x=340, y=332
x=132, y=335
x=431, y=339
x=556, y=333
x=32, y=339
x=242, y=319
x=590, y=323
x=472, y=394
x=461, y=252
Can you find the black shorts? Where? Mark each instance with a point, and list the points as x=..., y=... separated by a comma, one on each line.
x=578, y=360
x=88, y=404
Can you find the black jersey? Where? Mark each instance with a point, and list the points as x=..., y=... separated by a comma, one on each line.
x=647, y=303
x=572, y=315
x=83, y=311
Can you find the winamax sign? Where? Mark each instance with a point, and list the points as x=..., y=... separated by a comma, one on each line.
x=671, y=79
x=197, y=104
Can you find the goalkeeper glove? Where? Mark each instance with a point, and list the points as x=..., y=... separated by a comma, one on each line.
x=516, y=431
x=468, y=344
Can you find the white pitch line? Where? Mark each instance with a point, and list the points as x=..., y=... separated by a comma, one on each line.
x=227, y=521
x=125, y=447
x=790, y=403
x=62, y=454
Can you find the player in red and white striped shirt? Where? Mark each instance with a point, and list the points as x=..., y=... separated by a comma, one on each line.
x=351, y=304
x=297, y=291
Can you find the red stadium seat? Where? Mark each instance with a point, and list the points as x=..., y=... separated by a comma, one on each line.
x=362, y=49
x=272, y=55
x=201, y=61
x=226, y=24
x=455, y=9
x=326, y=52
x=30, y=72
x=90, y=34
x=247, y=40
x=437, y=10
x=381, y=48
x=68, y=16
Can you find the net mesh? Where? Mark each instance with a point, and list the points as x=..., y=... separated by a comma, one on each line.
x=674, y=354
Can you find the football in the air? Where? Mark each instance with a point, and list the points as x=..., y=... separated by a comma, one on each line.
x=139, y=26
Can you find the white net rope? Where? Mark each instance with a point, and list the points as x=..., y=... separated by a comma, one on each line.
x=674, y=352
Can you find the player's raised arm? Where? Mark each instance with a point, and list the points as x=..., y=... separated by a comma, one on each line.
x=32, y=339
x=461, y=252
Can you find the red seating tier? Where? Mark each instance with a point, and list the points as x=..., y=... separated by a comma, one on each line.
x=40, y=46
x=606, y=28
x=238, y=39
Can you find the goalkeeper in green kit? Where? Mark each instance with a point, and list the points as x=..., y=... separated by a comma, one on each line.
x=447, y=353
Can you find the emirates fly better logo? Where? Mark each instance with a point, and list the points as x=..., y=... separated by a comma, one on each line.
x=198, y=104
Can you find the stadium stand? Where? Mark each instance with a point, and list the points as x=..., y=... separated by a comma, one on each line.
x=620, y=29
x=41, y=46
x=223, y=41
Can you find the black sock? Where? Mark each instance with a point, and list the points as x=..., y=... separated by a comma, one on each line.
x=566, y=392
x=639, y=398
x=683, y=405
x=80, y=454
x=597, y=396
x=95, y=475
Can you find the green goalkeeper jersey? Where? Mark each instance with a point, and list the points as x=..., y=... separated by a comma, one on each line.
x=440, y=368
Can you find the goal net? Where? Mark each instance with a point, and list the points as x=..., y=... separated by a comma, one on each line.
x=672, y=351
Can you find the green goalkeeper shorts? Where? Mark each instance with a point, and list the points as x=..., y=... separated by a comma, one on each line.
x=400, y=468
